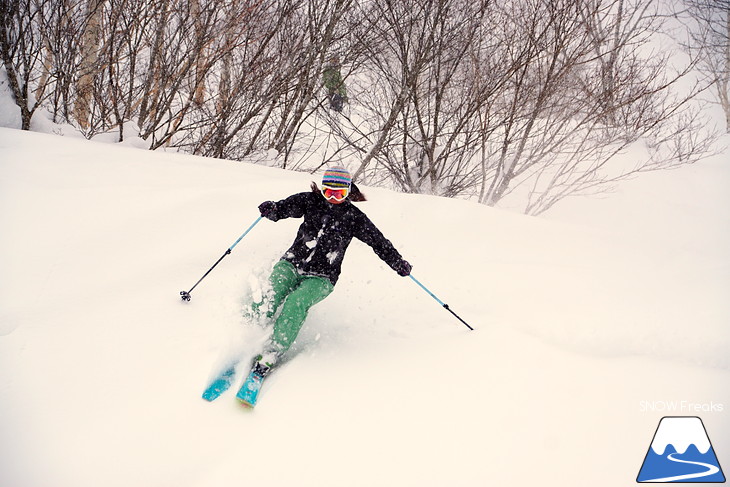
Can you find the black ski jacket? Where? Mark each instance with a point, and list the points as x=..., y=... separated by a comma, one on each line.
x=326, y=232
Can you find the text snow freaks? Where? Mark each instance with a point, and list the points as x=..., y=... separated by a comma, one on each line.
x=680, y=407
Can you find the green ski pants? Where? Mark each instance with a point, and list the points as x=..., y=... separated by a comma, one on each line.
x=298, y=293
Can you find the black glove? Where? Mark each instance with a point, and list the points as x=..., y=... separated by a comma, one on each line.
x=403, y=268
x=267, y=210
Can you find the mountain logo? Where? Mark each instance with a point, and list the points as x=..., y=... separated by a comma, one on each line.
x=681, y=452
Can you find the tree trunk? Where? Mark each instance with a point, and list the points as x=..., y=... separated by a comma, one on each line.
x=89, y=64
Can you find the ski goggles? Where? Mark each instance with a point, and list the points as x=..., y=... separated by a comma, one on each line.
x=338, y=194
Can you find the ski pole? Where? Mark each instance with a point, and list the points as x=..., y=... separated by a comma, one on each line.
x=446, y=306
x=185, y=295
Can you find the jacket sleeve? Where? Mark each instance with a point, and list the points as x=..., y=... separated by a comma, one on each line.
x=368, y=233
x=292, y=207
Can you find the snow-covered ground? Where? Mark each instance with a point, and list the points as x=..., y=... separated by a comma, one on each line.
x=592, y=323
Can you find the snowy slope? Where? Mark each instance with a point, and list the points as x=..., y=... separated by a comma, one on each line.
x=580, y=327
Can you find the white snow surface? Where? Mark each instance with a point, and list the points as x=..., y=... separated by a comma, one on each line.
x=588, y=322
x=681, y=432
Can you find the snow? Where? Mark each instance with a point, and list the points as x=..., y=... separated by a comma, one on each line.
x=588, y=322
x=688, y=431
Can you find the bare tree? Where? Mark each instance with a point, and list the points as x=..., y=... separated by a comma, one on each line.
x=61, y=33
x=440, y=113
x=473, y=99
x=709, y=40
x=418, y=54
x=89, y=66
x=478, y=100
x=24, y=52
x=319, y=24
x=126, y=22
x=627, y=93
x=587, y=88
x=244, y=82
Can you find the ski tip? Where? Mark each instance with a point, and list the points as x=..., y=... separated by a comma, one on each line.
x=213, y=393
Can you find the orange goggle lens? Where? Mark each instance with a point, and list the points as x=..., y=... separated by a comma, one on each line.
x=335, y=194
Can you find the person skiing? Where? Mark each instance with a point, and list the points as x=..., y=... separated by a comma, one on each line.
x=335, y=85
x=310, y=268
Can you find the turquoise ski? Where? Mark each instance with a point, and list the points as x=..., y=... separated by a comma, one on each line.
x=220, y=384
x=248, y=394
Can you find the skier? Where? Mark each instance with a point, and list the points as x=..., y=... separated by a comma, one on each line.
x=332, y=80
x=308, y=271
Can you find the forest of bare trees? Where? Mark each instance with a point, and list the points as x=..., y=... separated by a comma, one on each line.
x=461, y=98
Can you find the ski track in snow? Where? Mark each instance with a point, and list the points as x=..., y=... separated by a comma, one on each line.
x=711, y=470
